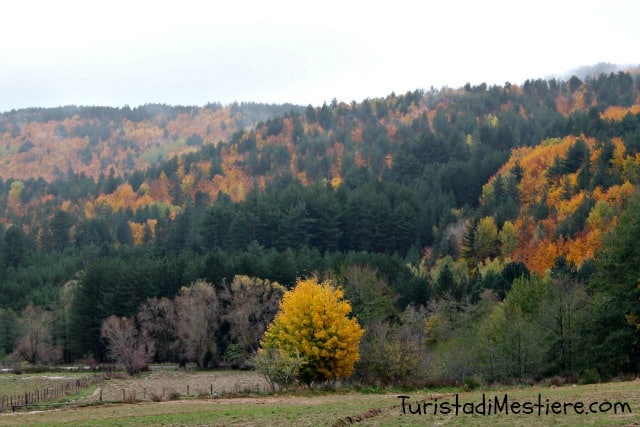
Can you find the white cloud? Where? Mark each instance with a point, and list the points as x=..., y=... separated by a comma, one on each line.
x=191, y=52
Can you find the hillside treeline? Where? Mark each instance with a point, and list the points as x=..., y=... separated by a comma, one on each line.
x=476, y=231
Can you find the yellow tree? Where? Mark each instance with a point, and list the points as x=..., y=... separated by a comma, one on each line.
x=313, y=322
x=486, y=239
x=508, y=238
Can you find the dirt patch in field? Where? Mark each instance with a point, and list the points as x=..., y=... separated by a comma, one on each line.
x=347, y=421
x=274, y=400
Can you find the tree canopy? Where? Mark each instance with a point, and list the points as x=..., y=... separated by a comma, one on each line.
x=313, y=321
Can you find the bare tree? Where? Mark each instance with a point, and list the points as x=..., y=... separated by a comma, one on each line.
x=127, y=345
x=158, y=318
x=250, y=304
x=67, y=299
x=35, y=343
x=198, y=318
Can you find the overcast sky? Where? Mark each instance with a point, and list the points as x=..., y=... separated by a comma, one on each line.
x=117, y=52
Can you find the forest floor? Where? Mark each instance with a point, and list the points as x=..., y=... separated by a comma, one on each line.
x=239, y=399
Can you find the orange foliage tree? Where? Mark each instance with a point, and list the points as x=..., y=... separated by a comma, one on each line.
x=560, y=197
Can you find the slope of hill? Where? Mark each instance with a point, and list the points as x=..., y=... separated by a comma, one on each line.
x=58, y=142
x=568, y=193
x=444, y=144
x=442, y=194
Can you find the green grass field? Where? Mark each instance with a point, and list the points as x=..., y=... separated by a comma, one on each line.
x=13, y=384
x=537, y=406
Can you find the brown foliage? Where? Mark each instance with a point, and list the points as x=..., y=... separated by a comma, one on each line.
x=127, y=345
x=158, y=318
x=35, y=343
x=250, y=305
x=197, y=321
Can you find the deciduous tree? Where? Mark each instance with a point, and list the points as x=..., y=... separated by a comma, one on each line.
x=370, y=295
x=126, y=344
x=35, y=343
x=198, y=318
x=486, y=239
x=314, y=322
x=250, y=304
x=158, y=319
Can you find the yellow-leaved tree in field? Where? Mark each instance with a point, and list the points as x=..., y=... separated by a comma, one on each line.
x=313, y=324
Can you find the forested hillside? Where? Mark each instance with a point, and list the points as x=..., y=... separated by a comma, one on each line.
x=453, y=218
x=55, y=143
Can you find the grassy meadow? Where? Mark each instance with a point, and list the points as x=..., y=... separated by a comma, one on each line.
x=14, y=384
x=606, y=404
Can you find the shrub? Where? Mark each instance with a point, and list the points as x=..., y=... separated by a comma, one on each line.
x=278, y=367
x=589, y=376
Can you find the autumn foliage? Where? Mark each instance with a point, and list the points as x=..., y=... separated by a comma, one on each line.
x=135, y=203
x=571, y=191
x=314, y=322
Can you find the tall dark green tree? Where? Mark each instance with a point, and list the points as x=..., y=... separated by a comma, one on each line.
x=9, y=330
x=324, y=208
x=60, y=230
x=15, y=247
x=617, y=334
x=87, y=312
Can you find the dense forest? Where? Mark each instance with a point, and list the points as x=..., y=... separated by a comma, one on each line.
x=484, y=232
